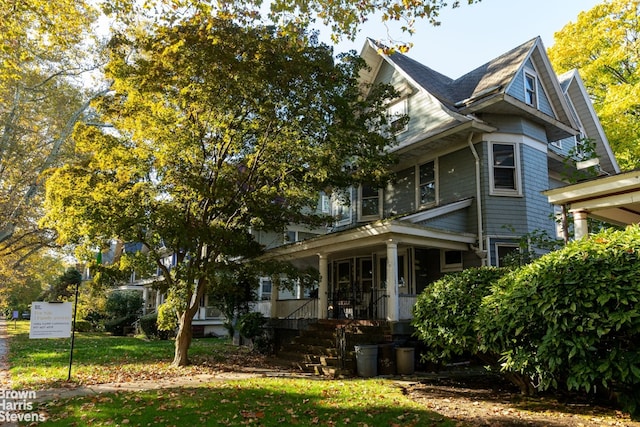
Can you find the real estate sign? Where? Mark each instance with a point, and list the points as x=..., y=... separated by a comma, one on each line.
x=50, y=320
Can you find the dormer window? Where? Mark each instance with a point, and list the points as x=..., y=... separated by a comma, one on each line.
x=531, y=89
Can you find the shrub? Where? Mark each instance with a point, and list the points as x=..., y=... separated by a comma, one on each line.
x=252, y=326
x=83, y=326
x=118, y=326
x=444, y=314
x=572, y=318
x=149, y=325
x=123, y=303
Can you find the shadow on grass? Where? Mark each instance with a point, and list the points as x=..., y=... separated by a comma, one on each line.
x=261, y=401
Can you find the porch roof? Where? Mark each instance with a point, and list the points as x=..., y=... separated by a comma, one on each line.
x=373, y=234
x=614, y=199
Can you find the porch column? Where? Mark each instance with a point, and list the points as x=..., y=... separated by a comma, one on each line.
x=393, y=307
x=275, y=294
x=145, y=299
x=580, y=227
x=323, y=288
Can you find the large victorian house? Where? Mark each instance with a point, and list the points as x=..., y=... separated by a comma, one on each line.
x=474, y=160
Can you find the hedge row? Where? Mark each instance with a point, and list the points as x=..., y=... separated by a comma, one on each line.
x=569, y=320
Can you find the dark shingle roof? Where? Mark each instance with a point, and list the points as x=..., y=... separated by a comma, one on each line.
x=498, y=72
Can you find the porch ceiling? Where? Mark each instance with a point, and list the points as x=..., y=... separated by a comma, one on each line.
x=370, y=236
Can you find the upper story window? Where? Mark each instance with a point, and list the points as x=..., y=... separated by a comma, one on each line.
x=341, y=208
x=531, y=89
x=427, y=183
x=396, y=114
x=370, y=203
x=505, y=169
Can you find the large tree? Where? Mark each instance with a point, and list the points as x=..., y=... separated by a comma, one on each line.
x=344, y=17
x=603, y=45
x=44, y=49
x=220, y=130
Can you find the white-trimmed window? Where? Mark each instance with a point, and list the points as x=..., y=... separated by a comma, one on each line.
x=427, y=194
x=450, y=260
x=265, y=288
x=325, y=204
x=530, y=89
x=370, y=202
x=504, y=250
x=395, y=114
x=505, y=169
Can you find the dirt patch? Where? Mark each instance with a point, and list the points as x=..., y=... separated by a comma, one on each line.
x=488, y=400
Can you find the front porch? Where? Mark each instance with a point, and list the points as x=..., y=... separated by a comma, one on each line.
x=372, y=272
x=349, y=308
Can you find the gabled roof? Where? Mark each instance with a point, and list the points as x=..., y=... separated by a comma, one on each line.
x=575, y=90
x=485, y=88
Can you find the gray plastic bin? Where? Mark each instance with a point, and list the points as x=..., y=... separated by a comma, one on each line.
x=405, y=360
x=367, y=360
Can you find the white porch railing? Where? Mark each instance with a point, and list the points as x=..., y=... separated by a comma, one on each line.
x=263, y=307
x=207, y=313
x=406, y=303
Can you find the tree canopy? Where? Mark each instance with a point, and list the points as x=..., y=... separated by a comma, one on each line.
x=210, y=144
x=603, y=45
x=44, y=49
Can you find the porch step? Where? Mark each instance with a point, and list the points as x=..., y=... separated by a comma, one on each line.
x=315, y=349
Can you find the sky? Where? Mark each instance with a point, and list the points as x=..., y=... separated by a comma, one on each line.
x=471, y=35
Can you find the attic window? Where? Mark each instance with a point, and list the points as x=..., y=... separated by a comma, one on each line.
x=396, y=113
x=530, y=89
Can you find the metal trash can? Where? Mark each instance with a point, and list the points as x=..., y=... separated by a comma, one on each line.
x=367, y=360
x=405, y=360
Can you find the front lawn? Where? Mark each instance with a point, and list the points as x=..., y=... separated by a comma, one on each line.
x=102, y=358
x=258, y=401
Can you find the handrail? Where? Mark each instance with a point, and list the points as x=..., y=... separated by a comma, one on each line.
x=313, y=312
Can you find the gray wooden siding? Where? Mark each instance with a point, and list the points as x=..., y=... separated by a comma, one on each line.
x=521, y=215
x=424, y=112
x=517, y=91
x=400, y=196
x=516, y=125
x=535, y=181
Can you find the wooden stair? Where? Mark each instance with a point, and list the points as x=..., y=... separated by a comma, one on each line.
x=316, y=350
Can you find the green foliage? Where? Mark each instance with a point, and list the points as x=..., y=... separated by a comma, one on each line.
x=64, y=286
x=444, y=315
x=149, y=325
x=123, y=304
x=600, y=43
x=83, y=326
x=572, y=318
x=120, y=325
x=251, y=324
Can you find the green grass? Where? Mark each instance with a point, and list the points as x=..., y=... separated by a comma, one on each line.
x=259, y=401
x=101, y=358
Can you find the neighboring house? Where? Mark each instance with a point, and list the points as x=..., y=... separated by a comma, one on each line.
x=474, y=160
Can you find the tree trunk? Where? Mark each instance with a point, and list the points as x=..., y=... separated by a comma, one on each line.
x=183, y=340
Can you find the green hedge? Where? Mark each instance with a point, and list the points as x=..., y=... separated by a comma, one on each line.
x=572, y=318
x=118, y=326
x=444, y=313
x=149, y=325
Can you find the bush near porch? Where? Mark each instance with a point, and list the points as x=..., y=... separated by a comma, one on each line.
x=570, y=320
